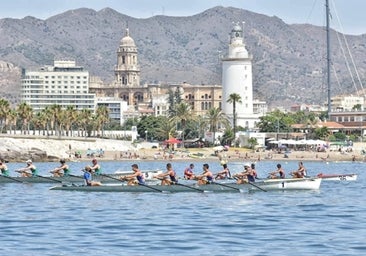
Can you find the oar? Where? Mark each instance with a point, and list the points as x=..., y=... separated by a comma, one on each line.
x=258, y=187
x=251, y=183
x=76, y=176
x=179, y=184
x=49, y=178
x=224, y=185
x=144, y=185
x=140, y=184
x=113, y=178
x=11, y=178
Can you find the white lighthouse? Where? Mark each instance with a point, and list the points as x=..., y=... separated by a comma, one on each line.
x=237, y=78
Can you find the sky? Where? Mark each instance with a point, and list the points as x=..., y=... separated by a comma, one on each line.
x=348, y=16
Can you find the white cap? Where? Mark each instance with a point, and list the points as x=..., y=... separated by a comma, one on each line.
x=247, y=164
x=29, y=161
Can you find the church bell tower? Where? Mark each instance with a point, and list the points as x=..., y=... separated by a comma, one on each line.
x=127, y=71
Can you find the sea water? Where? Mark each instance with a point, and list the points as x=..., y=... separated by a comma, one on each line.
x=331, y=221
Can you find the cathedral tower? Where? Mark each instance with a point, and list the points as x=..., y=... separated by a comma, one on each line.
x=127, y=71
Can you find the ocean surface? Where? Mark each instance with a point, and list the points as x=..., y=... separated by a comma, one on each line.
x=331, y=221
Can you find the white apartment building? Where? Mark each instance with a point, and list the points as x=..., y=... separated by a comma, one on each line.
x=347, y=102
x=63, y=84
x=116, y=108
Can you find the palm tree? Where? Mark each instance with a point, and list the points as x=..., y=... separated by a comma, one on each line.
x=167, y=129
x=234, y=98
x=55, y=111
x=214, y=119
x=4, y=111
x=25, y=113
x=85, y=120
x=102, y=117
x=11, y=120
x=183, y=113
x=71, y=117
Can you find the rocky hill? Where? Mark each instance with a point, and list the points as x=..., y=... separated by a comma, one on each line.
x=288, y=65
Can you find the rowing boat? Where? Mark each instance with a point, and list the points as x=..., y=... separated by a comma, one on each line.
x=288, y=184
x=338, y=177
x=274, y=184
x=104, y=178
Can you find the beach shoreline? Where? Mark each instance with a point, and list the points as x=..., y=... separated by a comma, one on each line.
x=68, y=148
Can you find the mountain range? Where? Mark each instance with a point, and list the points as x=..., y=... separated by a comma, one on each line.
x=289, y=60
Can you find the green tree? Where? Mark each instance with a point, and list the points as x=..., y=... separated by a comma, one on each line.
x=214, y=119
x=233, y=99
x=25, y=114
x=4, y=112
x=102, y=117
x=252, y=142
x=183, y=113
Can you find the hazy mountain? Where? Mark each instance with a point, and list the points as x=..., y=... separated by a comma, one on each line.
x=288, y=65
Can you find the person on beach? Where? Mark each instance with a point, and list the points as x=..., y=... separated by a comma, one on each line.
x=61, y=171
x=224, y=174
x=168, y=177
x=29, y=171
x=96, y=169
x=206, y=177
x=188, y=172
x=277, y=174
x=88, y=178
x=136, y=178
x=300, y=172
x=3, y=168
x=248, y=175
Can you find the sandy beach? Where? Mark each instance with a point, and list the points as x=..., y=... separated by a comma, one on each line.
x=79, y=149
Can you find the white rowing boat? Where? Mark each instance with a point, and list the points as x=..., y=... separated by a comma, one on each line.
x=338, y=177
x=265, y=185
x=289, y=184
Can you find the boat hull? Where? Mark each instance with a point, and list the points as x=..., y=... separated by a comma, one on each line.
x=71, y=179
x=288, y=184
x=280, y=184
x=338, y=177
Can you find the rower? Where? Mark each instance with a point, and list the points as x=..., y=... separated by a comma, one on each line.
x=168, y=177
x=224, y=174
x=137, y=178
x=96, y=169
x=277, y=174
x=3, y=168
x=206, y=177
x=188, y=172
x=61, y=171
x=88, y=177
x=29, y=171
x=246, y=176
x=300, y=172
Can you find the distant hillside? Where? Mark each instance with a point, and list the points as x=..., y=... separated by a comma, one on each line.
x=288, y=66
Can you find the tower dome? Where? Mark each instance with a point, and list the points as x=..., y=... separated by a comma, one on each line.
x=127, y=40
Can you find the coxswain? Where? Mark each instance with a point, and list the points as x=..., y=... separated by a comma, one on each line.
x=88, y=177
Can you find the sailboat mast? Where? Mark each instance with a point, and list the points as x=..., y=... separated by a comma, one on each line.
x=328, y=57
